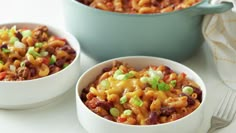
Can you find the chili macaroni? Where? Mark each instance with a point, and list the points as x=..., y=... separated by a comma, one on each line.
x=140, y=6
x=29, y=54
x=153, y=95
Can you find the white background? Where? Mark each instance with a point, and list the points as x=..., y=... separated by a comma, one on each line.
x=60, y=115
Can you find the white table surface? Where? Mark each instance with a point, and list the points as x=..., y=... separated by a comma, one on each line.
x=60, y=115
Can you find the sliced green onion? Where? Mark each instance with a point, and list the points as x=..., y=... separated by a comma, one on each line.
x=114, y=112
x=121, y=77
x=53, y=59
x=105, y=83
x=153, y=73
x=38, y=44
x=163, y=86
x=43, y=53
x=127, y=112
x=160, y=74
x=19, y=44
x=13, y=39
x=144, y=79
x=33, y=52
x=6, y=50
x=132, y=72
x=26, y=33
x=173, y=83
x=129, y=75
x=154, y=82
x=136, y=101
x=117, y=73
x=187, y=90
x=22, y=64
x=123, y=99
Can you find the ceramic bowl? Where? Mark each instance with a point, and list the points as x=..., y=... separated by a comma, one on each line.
x=31, y=93
x=93, y=123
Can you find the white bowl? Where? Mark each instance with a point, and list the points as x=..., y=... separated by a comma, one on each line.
x=93, y=123
x=31, y=93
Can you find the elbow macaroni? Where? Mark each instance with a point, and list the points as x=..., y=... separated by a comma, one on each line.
x=140, y=6
x=32, y=53
x=145, y=103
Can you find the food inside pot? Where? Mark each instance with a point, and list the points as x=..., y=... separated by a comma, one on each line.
x=140, y=6
x=32, y=53
x=153, y=95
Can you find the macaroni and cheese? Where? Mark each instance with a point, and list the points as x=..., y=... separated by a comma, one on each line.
x=153, y=95
x=32, y=53
x=140, y=6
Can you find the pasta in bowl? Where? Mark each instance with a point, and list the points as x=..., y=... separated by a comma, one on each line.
x=34, y=59
x=32, y=53
x=140, y=94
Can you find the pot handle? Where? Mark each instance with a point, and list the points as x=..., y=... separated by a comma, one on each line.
x=207, y=8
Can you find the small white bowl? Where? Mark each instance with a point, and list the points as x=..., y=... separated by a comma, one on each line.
x=93, y=123
x=37, y=92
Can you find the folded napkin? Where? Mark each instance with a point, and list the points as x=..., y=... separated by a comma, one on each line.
x=219, y=31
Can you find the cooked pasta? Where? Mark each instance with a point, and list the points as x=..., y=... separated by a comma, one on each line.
x=32, y=53
x=153, y=95
x=140, y=6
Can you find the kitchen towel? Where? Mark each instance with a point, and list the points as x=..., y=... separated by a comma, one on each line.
x=219, y=30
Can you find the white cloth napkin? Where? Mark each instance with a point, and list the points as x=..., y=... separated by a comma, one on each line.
x=219, y=31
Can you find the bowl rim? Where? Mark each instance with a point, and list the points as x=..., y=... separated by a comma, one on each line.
x=203, y=88
x=52, y=29
x=136, y=14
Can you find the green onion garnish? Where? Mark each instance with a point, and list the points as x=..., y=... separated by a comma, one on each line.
x=153, y=73
x=187, y=90
x=163, y=86
x=1, y=62
x=154, y=82
x=13, y=39
x=117, y=73
x=6, y=50
x=22, y=64
x=38, y=44
x=43, y=53
x=53, y=59
x=144, y=79
x=105, y=83
x=114, y=112
x=123, y=99
x=127, y=112
x=120, y=76
x=130, y=74
x=136, y=101
x=173, y=83
x=33, y=52
x=26, y=33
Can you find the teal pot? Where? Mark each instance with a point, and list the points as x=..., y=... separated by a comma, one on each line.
x=104, y=35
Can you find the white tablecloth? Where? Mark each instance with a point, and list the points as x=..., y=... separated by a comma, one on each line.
x=60, y=115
